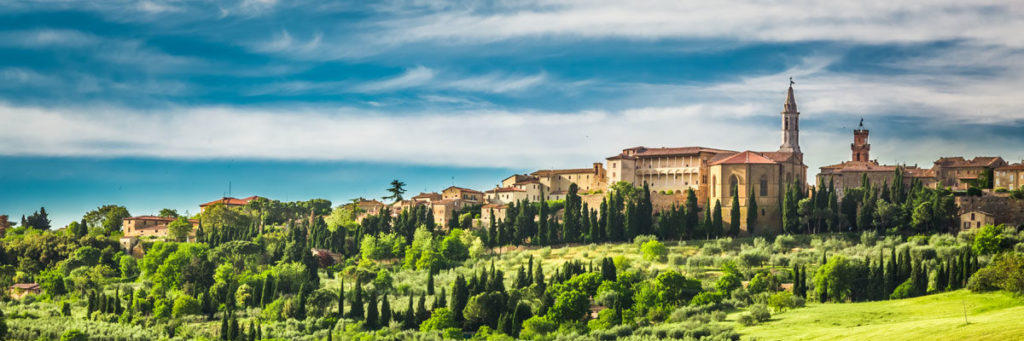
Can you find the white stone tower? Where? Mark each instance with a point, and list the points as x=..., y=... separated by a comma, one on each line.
x=790, y=123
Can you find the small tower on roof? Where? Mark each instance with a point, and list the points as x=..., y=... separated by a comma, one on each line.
x=860, y=147
x=790, y=123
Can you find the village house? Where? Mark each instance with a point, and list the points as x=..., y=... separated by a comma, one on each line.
x=497, y=210
x=1009, y=176
x=20, y=290
x=150, y=226
x=462, y=196
x=426, y=198
x=975, y=219
x=959, y=173
x=851, y=174
x=505, y=195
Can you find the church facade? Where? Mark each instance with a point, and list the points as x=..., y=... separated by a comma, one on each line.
x=761, y=175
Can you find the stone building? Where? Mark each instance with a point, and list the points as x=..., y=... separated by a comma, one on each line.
x=426, y=198
x=497, y=209
x=765, y=175
x=1009, y=176
x=975, y=219
x=959, y=173
x=665, y=169
x=505, y=195
x=1003, y=209
x=462, y=196
x=553, y=184
x=150, y=226
x=850, y=174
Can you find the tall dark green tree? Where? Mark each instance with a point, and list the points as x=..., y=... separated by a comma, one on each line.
x=734, y=214
x=752, y=213
x=716, y=222
x=460, y=296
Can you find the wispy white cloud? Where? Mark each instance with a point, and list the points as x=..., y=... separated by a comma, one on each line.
x=871, y=21
x=485, y=138
x=413, y=77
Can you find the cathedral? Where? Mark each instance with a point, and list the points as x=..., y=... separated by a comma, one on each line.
x=761, y=176
x=716, y=175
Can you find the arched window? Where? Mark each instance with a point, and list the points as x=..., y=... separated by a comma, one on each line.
x=713, y=185
x=764, y=185
x=734, y=185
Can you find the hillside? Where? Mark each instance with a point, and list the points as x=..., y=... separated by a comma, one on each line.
x=991, y=316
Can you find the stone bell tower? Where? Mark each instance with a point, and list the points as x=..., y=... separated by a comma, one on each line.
x=860, y=147
x=790, y=123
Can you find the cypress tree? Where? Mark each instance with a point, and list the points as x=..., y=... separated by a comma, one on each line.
x=385, y=311
x=410, y=318
x=341, y=298
x=734, y=214
x=751, y=213
x=717, y=219
x=371, y=313
x=422, y=314
x=441, y=301
x=430, y=281
x=356, y=312
x=542, y=234
x=708, y=223
x=608, y=269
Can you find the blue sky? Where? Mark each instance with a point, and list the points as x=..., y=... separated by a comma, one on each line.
x=155, y=104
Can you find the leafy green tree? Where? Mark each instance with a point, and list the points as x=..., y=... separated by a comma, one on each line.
x=988, y=240
x=110, y=217
x=168, y=213
x=440, y=319
x=39, y=220
x=538, y=328
x=397, y=189
x=179, y=229
x=653, y=250
x=185, y=305
x=835, y=279
x=570, y=305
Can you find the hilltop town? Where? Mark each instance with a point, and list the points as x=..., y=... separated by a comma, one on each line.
x=985, y=187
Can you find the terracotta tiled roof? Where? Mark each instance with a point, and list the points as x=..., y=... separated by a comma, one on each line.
x=506, y=189
x=959, y=161
x=230, y=201
x=642, y=151
x=747, y=157
x=777, y=156
x=431, y=195
x=549, y=172
x=155, y=218
x=26, y=286
x=1016, y=166
x=462, y=189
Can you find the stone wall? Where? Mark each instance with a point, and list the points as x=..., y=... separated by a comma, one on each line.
x=1006, y=210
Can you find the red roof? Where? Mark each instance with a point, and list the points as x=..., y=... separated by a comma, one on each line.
x=747, y=157
x=229, y=201
x=506, y=189
x=155, y=218
x=461, y=189
x=549, y=172
x=642, y=151
x=1016, y=166
x=959, y=161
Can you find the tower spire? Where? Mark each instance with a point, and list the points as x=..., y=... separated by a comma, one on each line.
x=790, y=122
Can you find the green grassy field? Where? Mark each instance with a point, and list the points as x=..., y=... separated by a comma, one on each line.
x=990, y=316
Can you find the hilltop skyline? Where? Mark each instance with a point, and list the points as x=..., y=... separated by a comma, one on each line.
x=160, y=104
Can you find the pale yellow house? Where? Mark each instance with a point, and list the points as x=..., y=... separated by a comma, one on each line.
x=1009, y=176
x=976, y=219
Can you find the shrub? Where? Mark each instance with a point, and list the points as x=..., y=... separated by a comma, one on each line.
x=641, y=239
x=537, y=327
x=747, y=320
x=440, y=319
x=677, y=260
x=782, y=301
x=760, y=312
x=785, y=242
x=988, y=240
x=868, y=238
x=654, y=250
x=718, y=315
x=1006, y=272
x=73, y=335
x=185, y=305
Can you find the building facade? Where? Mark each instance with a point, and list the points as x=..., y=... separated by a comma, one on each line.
x=851, y=174
x=1009, y=176
x=959, y=173
x=150, y=226
x=673, y=170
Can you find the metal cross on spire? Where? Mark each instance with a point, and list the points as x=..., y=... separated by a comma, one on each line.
x=791, y=82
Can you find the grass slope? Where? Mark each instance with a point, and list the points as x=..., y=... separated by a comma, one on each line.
x=991, y=316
